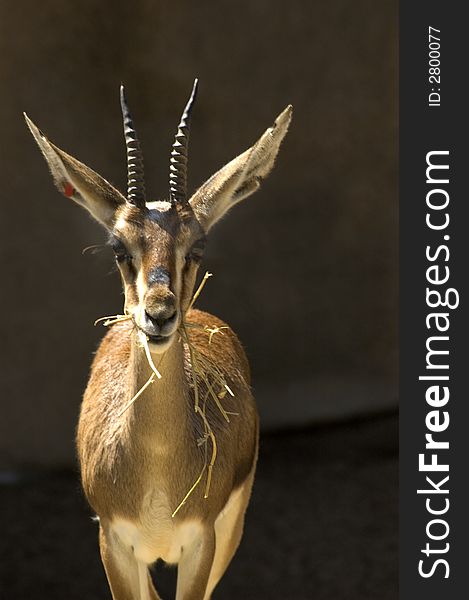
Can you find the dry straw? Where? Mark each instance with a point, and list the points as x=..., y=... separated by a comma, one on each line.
x=205, y=375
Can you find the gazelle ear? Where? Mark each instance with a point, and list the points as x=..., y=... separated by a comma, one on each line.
x=77, y=181
x=240, y=177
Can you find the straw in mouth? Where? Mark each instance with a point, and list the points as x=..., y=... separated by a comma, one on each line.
x=205, y=373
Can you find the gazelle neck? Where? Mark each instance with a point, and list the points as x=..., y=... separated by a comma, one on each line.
x=162, y=406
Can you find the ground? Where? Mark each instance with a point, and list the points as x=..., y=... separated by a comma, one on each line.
x=322, y=525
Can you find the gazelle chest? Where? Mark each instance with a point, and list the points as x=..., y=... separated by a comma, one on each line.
x=150, y=541
x=156, y=535
x=153, y=533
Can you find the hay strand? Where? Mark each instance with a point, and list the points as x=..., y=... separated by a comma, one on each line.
x=112, y=319
x=137, y=395
x=153, y=377
x=184, y=500
x=193, y=369
x=146, y=347
x=213, y=330
x=213, y=439
x=205, y=371
x=200, y=288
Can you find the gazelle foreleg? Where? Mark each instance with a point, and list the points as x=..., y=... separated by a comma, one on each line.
x=128, y=578
x=229, y=530
x=195, y=565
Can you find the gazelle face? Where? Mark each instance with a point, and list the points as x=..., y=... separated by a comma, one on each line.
x=159, y=245
x=158, y=250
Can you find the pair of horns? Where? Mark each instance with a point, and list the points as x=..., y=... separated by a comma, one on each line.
x=178, y=161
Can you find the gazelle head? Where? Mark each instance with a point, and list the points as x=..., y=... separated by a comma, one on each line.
x=159, y=245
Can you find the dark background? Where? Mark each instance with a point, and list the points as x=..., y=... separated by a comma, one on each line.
x=305, y=270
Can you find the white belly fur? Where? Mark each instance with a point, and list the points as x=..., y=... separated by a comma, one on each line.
x=167, y=539
x=148, y=546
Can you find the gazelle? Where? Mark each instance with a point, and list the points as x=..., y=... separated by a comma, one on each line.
x=147, y=424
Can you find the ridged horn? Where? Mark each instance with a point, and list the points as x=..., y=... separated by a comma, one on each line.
x=135, y=171
x=178, y=161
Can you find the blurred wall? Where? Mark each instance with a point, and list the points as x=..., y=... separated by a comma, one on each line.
x=305, y=270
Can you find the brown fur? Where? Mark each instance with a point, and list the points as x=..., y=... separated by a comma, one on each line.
x=116, y=467
x=138, y=464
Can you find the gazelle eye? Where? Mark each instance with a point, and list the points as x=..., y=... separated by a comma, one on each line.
x=194, y=256
x=123, y=258
x=120, y=251
x=196, y=253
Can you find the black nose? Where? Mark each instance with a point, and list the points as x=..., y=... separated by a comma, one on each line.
x=161, y=319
